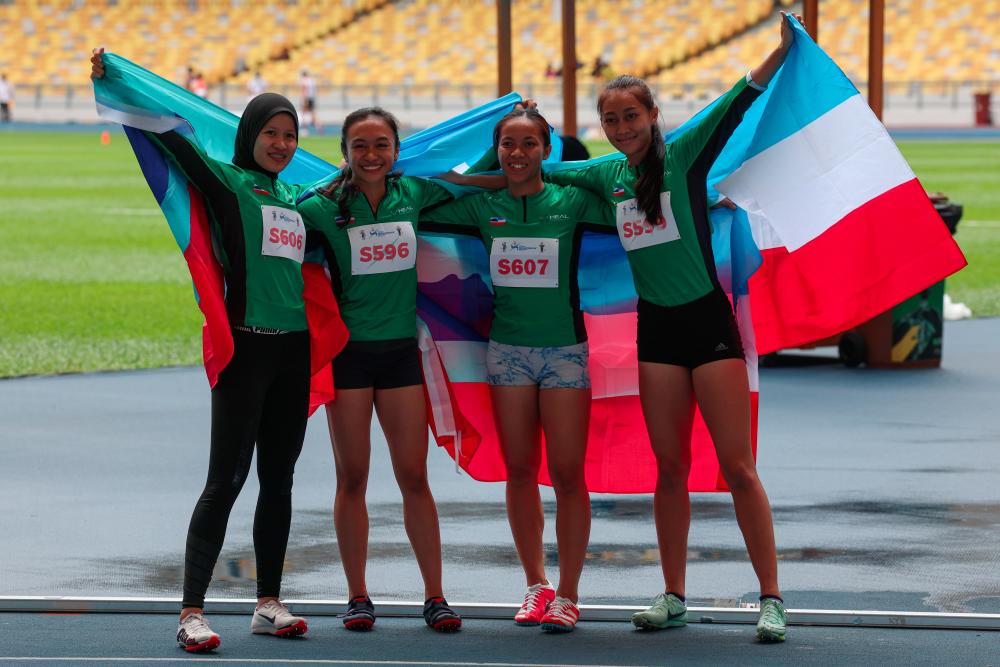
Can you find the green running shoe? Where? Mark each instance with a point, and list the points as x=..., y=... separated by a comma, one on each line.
x=667, y=611
x=771, y=626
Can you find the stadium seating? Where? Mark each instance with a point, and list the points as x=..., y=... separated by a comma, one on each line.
x=423, y=42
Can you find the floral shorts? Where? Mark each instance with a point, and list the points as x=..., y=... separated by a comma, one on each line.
x=548, y=367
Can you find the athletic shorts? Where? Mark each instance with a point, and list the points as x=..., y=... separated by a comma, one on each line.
x=689, y=335
x=382, y=364
x=548, y=367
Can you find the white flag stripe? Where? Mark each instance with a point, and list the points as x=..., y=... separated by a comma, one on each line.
x=806, y=183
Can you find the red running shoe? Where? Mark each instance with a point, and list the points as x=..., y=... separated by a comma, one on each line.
x=561, y=616
x=536, y=602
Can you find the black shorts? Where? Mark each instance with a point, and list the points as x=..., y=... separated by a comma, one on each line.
x=382, y=364
x=691, y=334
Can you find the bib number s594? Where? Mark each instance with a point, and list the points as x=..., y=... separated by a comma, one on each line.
x=383, y=247
x=635, y=232
x=524, y=262
x=284, y=233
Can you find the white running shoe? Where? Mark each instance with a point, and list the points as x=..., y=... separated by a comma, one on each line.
x=194, y=635
x=274, y=618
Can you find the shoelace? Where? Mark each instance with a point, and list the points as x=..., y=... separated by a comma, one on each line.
x=195, y=623
x=532, y=597
x=770, y=615
x=562, y=609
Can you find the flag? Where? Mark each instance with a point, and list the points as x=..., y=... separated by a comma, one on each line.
x=844, y=226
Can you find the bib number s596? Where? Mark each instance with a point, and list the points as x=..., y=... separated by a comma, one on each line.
x=524, y=262
x=635, y=232
x=382, y=248
x=284, y=233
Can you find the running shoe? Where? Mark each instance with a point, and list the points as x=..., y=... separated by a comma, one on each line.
x=274, y=618
x=360, y=614
x=667, y=611
x=440, y=616
x=194, y=635
x=771, y=626
x=536, y=602
x=561, y=616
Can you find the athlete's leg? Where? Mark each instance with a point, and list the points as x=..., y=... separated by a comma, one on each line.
x=668, y=408
x=403, y=415
x=349, y=417
x=723, y=395
x=236, y=407
x=515, y=410
x=279, y=442
x=565, y=415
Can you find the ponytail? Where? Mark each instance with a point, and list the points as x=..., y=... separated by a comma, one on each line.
x=345, y=179
x=650, y=182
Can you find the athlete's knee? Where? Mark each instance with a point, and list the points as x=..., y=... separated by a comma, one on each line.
x=351, y=485
x=413, y=481
x=740, y=476
x=522, y=473
x=672, y=474
x=568, y=480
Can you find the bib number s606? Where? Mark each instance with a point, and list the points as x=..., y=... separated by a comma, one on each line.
x=284, y=233
x=635, y=232
x=382, y=248
x=524, y=262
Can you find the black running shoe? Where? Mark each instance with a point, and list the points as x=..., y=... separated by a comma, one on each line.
x=360, y=614
x=440, y=616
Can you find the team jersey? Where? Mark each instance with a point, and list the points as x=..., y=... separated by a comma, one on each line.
x=373, y=257
x=258, y=236
x=672, y=261
x=534, y=247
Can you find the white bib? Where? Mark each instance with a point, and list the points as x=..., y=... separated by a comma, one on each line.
x=633, y=230
x=524, y=262
x=284, y=233
x=383, y=247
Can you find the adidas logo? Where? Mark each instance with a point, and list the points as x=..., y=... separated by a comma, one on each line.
x=721, y=347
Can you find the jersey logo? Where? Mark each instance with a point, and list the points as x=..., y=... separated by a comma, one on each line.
x=497, y=221
x=341, y=220
x=618, y=191
x=259, y=190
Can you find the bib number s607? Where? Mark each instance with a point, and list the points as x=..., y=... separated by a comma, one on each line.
x=382, y=248
x=635, y=232
x=524, y=262
x=284, y=233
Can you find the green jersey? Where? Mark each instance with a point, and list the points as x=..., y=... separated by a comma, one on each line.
x=672, y=261
x=258, y=236
x=373, y=256
x=534, y=246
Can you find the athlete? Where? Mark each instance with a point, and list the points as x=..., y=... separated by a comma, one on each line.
x=537, y=354
x=262, y=395
x=689, y=347
x=367, y=222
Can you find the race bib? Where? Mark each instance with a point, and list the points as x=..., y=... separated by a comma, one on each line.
x=635, y=232
x=382, y=248
x=524, y=262
x=284, y=233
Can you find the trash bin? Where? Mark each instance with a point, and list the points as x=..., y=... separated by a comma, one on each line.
x=984, y=115
x=909, y=335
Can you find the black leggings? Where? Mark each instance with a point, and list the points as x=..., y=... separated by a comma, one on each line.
x=262, y=396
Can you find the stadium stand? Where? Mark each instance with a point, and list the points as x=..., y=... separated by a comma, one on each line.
x=420, y=42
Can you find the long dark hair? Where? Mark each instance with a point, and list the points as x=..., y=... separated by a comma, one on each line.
x=531, y=114
x=345, y=179
x=647, y=188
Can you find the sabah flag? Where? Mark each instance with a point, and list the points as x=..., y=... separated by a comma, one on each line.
x=846, y=230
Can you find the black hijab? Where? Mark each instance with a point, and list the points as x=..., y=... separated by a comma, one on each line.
x=261, y=109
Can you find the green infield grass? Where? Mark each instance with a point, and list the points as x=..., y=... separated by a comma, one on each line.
x=90, y=277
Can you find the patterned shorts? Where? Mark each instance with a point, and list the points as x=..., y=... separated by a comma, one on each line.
x=548, y=367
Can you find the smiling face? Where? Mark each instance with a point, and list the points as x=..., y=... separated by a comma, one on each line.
x=521, y=147
x=371, y=150
x=276, y=143
x=627, y=122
